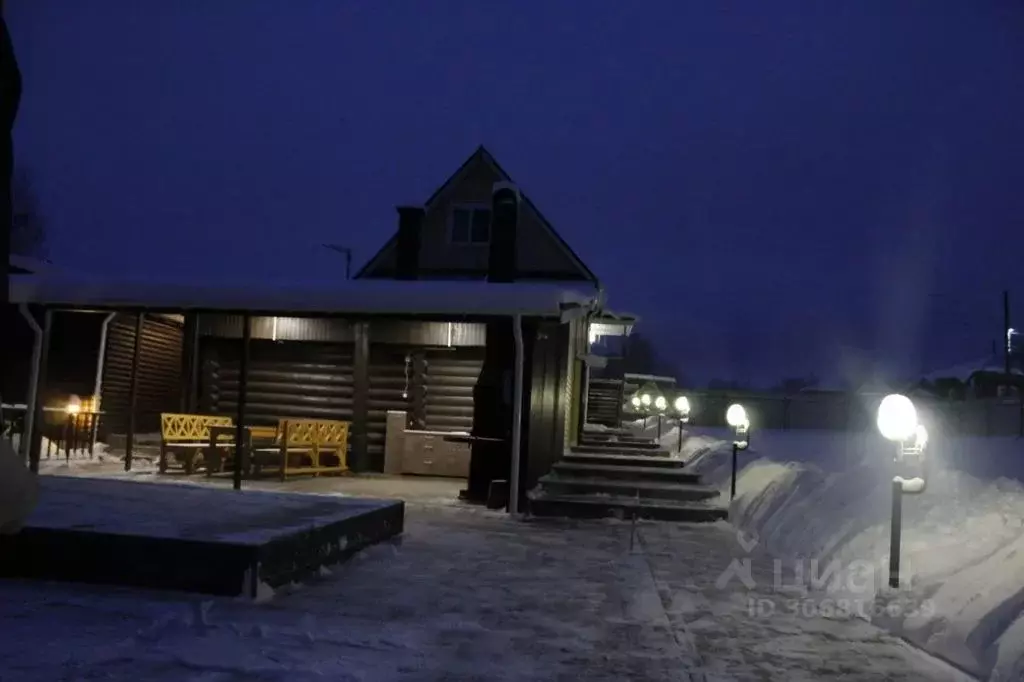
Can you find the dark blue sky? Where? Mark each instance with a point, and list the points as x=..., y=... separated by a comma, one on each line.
x=775, y=187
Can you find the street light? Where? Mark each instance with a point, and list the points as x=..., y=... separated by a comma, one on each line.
x=897, y=422
x=682, y=408
x=736, y=417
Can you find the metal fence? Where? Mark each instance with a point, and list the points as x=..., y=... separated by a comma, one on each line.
x=63, y=434
x=856, y=412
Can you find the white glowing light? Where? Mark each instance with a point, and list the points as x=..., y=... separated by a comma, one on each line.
x=660, y=403
x=636, y=401
x=897, y=418
x=920, y=437
x=736, y=416
x=74, y=405
x=682, y=405
x=646, y=399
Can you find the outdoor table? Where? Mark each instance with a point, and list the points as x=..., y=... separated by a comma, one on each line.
x=213, y=455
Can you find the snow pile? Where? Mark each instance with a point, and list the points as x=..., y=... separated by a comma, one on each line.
x=823, y=501
x=60, y=460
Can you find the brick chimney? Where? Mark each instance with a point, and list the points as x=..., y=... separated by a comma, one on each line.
x=407, y=253
x=501, y=263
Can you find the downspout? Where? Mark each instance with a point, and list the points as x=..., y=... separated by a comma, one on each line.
x=27, y=431
x=98, y=383
x=584, y=404
x=517, y=415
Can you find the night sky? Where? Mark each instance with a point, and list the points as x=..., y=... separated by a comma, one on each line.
x=776, y=188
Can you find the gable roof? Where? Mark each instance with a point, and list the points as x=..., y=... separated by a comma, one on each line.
x=482, y=153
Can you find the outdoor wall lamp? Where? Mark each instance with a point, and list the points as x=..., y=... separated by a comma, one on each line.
x=74, y=405
x=736, y=417
x=897, y=422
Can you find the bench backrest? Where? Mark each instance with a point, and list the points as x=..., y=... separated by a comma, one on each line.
x=315, y=432
x=190, y=427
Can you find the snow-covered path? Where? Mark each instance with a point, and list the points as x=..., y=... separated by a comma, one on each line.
x=467, y=595
x=744, y=628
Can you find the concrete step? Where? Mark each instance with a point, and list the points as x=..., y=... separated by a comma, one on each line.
x=618, y=449
x=608, y=437
x=627, y=472
x=556, y=484
x=596, y=507
x=612, y=443
x=643, y=460
x=608, y=432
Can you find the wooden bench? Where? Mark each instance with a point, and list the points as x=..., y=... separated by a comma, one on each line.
x=305, y=446
x=186, y=436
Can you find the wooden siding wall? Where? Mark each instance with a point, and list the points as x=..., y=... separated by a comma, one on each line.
x=311, y=380
x=316, y=379
x=159, y=378
x=387, y=383
x=450, y=377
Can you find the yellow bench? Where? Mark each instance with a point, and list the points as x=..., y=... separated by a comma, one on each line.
x=185, y=436
x=305, y=446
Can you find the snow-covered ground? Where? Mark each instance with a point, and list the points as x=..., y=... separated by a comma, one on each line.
x=185, y=512
x=821, y=501
x=466, y=595
x=470, y=594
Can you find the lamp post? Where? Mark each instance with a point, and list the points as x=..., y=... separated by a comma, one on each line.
x=682, y=406
x=897, y=422
x=660, y=406
x=646, y=397
x=736, y=417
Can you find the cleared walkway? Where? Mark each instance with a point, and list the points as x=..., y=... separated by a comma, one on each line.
x=467, y=595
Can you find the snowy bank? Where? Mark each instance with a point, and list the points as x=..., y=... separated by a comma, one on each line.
x=825, y=498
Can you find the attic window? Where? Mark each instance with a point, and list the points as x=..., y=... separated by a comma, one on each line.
x=470, y=225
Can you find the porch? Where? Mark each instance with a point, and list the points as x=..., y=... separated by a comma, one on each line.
x=398, y=363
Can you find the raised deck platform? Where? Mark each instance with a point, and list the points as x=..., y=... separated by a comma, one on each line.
x=191, y=538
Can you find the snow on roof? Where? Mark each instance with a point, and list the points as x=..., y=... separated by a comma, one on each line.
x=966, y=370
x=324, y=297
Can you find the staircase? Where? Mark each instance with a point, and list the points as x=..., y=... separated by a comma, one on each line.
x=615, y=474
x=604, y=402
